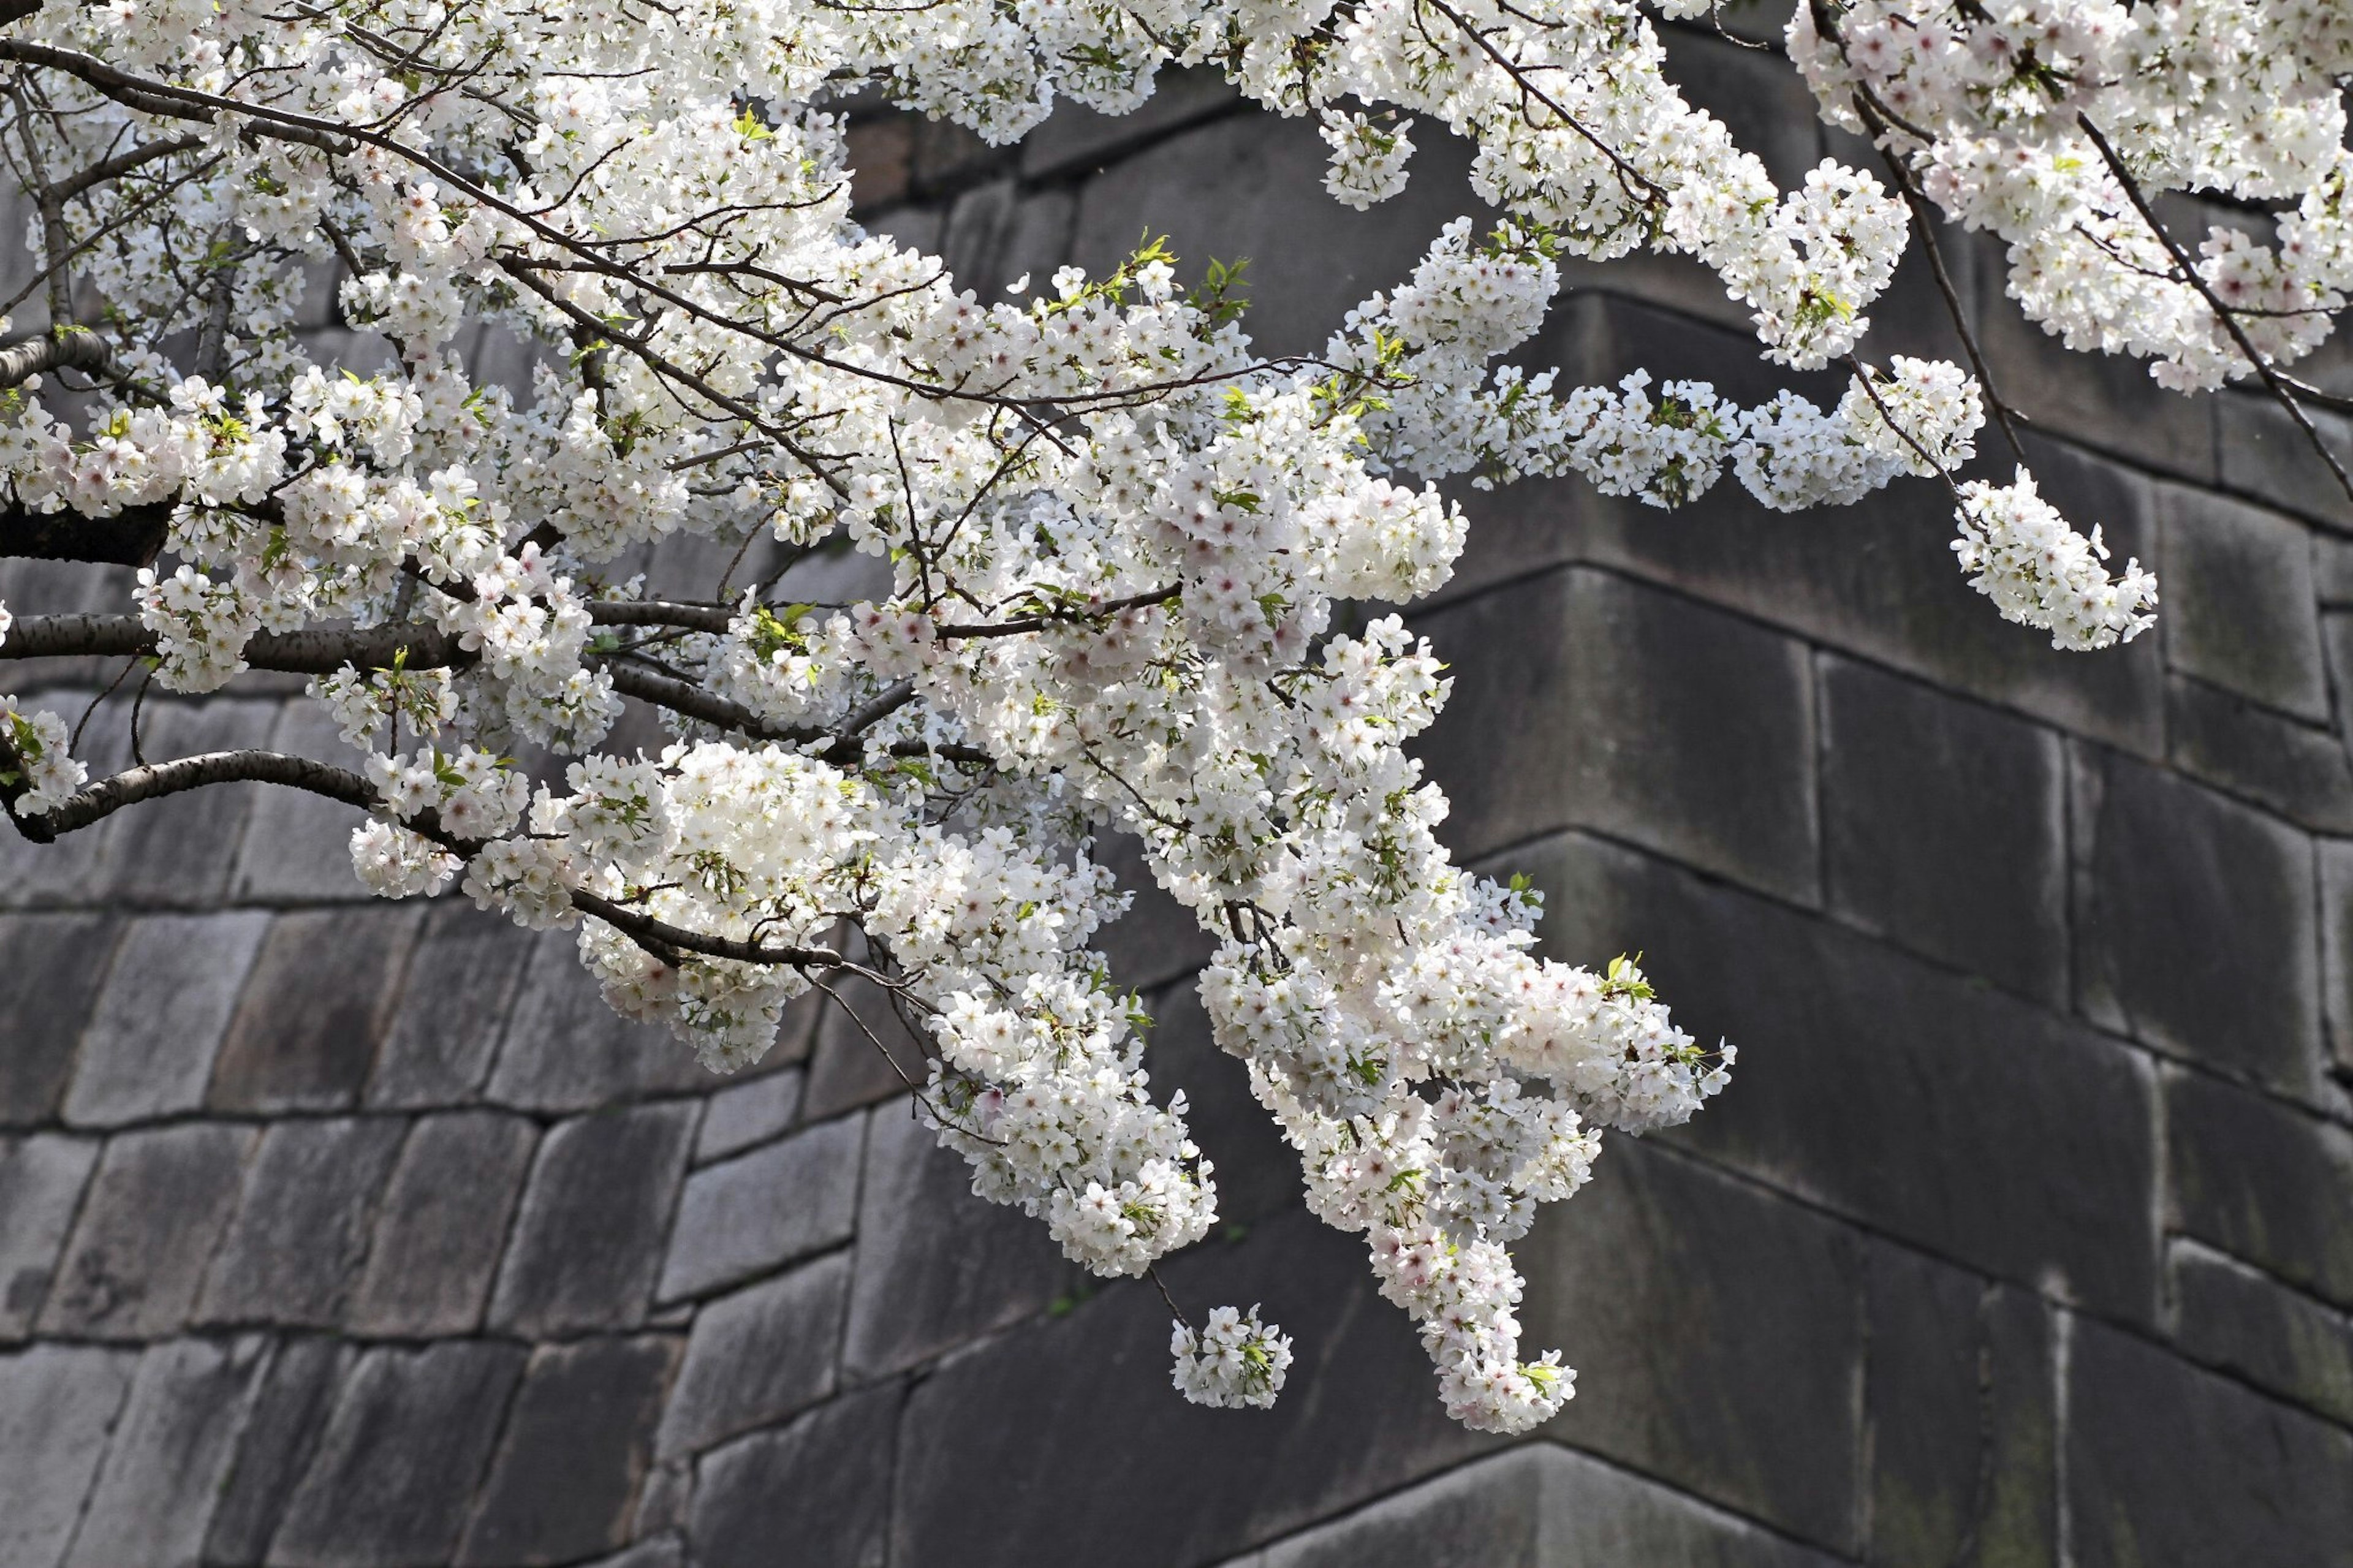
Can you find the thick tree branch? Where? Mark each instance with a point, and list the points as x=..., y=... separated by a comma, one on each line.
x=62, y=350
x=131, y=537
x=157, y=780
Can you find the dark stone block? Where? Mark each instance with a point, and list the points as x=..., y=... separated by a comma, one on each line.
x=315, y=1004
x=288, y=1416
x=179, y=850
x=297, y=846
x=2239, y=601
x=50, y=971
x=453, y=1007
x=1077, y=139
x=171, y=1451
x=303, y=1228
x=1258, y=1172
x=1959, y=1428
x=2336, y=949
x=750, y=1214
x=1158, y=939
x=1943, y=1113
x=863, y=1052
x=402, y=1455
x=999, y=234
x=2302, y=772
x=565, y=1050
x=155, y=1210
x=589, y=1240
x=1946, y=827
x=56, y=1404
x=444, y=1219
x=1587, y=699
x=2246, y=1323
x=757, y=1356
x=818, y=1491
x=148, y=1046
x=1062, y=1442
x=2169, y=1466
x=937, y=1267
x=2263, y=1182
x=41, y=1180
x=2194, y=923
x=2266, y=454
x=572, y=1453
x=747, y=1114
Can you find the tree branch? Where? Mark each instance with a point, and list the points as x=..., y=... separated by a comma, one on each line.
x=131, y=537
x=60, y=350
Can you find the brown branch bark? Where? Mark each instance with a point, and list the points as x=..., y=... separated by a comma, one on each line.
x=63, y=351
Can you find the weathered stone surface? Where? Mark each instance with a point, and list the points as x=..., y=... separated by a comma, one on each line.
x=314, y=1006
x=51, y=968
x=936, y=1265
x=573, y=1449
x=2245, y=1322
x=2263, y=1182
x=1960, y=1431
x=172, y=1449
x=56, y=1404
x=2154, y=855
x=179, y=850
x=589, y=1241
x=2169, y=1466
x=1946, y=827
x=41, y=1180
x=1881, y=1088
x=749, y=1215
x=1088, y=1478
x=2264, y=453
x=1258, y=1172
x=748, y=1114
x=819, y=1489
x=453, y=1006
x=1538, y=1506
x=1158, y=939
x=2302, y=772
x=301, y=1229
x=757, y=1356
x=154, y=1214
x=862, y=1052
x=401, y=1457
x=2239, y=604
x=281, y=1433
x=442, y=1222
x=298, y=845
x=998, y=233
x=565, y=1050
x=1077, y=139
x=148, y=1047
x=1586, y=700
x=2336, y=949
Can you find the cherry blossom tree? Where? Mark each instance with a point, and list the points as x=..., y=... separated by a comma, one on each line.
x=1114, y=536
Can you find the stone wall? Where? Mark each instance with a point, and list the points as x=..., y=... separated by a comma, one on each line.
x=343, y=1232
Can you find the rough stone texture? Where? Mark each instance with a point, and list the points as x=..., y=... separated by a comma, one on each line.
x=749, y=1215
x=586, y=1246
x=2021, y=1239
x=442, y=1224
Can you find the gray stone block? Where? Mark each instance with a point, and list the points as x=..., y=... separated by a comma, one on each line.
x=441, y=1224
x=564, y=1050
x=1586, y=700
x=155, y=1211
x=400, y=1459
x=2302, y=773
x=822, y=1485
x=41, y=1180
x=453, y=1006
x=281, y=1433
x=298, y=845
x=2156, y=861
x=148, y=1049
x=1258, y=1172
x=2169, y=1467
x=2265, y=455
x=2332, y=569
x=51, y=972
x=57, y=1403
x=1050, y=1443
x=588, y=1242
x=937, y=1267
x=179, y=850
x=2239, y=601
x=2263, y=1182
x=1076, y=139
x=744, y=1114
x=1538, y=1506
x=1158, y=939
x=1883, y=1089
x=862, y=1051
x=70, y=872
x=1946, y=827
x=750, y=1214
x=1959, y=1422
x=668, y=1552
x=757, y=1356
x=573, y=1452
x=2336, y=949
x=301, y=1229
x=172, y=1450
x=998, y=233
x=314, y=1006
x=2232, y=1317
